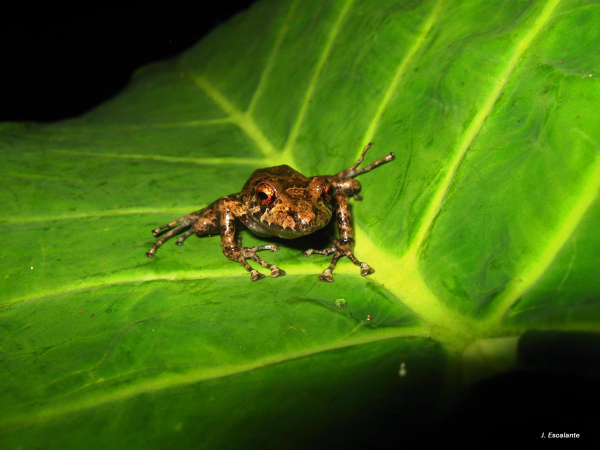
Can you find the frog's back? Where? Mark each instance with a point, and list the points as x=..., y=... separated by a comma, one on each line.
x=284, y=172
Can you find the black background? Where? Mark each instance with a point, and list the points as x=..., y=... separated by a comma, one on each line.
x=60, y=63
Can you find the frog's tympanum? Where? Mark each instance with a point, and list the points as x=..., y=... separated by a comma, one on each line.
x=279, y=201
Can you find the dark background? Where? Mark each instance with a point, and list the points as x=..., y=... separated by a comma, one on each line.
x=60, y=63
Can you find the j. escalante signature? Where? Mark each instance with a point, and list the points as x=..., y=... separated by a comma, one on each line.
x=550, y=434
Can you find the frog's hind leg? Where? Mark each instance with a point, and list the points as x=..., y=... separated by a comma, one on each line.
x=182, y=224
x=166, y=226
x=354, y=171
x=201, y=222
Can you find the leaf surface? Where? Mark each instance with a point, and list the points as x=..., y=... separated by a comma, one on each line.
x=484, y=228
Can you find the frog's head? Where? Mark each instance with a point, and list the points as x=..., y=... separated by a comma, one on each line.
x=291, y=207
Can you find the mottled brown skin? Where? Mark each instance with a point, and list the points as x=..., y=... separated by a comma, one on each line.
x=279, y=201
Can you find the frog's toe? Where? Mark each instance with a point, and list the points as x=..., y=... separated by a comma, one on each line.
x=326, y=276
x=307, y=253
x=255, y=275
x=276, y=271
x=184, y=236
x=249, y=251
x=365, y=269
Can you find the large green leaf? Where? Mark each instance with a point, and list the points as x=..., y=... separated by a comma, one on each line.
x=483, y=232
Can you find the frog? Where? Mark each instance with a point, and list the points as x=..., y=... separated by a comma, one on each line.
x=279, y=201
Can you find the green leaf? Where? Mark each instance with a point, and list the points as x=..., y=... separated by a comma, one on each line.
x=483, y=232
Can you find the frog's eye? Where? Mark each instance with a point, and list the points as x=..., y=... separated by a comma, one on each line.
x=265, y=194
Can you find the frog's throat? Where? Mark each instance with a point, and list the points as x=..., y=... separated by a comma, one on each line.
x=265, y=230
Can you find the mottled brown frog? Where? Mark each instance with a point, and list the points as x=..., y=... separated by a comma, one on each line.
x=279, y=201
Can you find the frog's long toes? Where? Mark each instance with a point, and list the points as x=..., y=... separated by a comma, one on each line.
x=156, y=232
x=308, y=252
x=365, y=269
x=274, y=247
x=276, y=271
x=326, y=276
x=255, y=275
x=150, y=253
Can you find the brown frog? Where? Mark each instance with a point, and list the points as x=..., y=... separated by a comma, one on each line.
x=279, y=201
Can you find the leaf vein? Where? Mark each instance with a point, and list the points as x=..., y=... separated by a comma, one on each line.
x=399, y=72
x=269, y=66
x=98, y=214
x=465, y=142
x=564, y=232
x=91, y=283
x=244, y=121
x=172, y=159
x=76, y=128
x=174, y=380
x=317, y=72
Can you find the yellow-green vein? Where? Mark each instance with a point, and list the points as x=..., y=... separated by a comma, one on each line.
x=403, y=278
x=256, y=162
x=230, y=270
x=109, y=127
x=105, y=213
x=240, y=118
x=173, y=380
x=471, y=132
x=269, y=66
x=553, y=245
x=313, y=81
x=399, y=73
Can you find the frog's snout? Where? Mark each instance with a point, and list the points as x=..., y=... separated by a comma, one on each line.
x=305, y=219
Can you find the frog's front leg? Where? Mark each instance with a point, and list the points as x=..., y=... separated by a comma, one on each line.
x=345, y=244
x=229, y=210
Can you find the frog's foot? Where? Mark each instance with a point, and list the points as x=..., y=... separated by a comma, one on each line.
x=255, y=275
x=250, y=253
x=179, y=225
x=339, y=250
